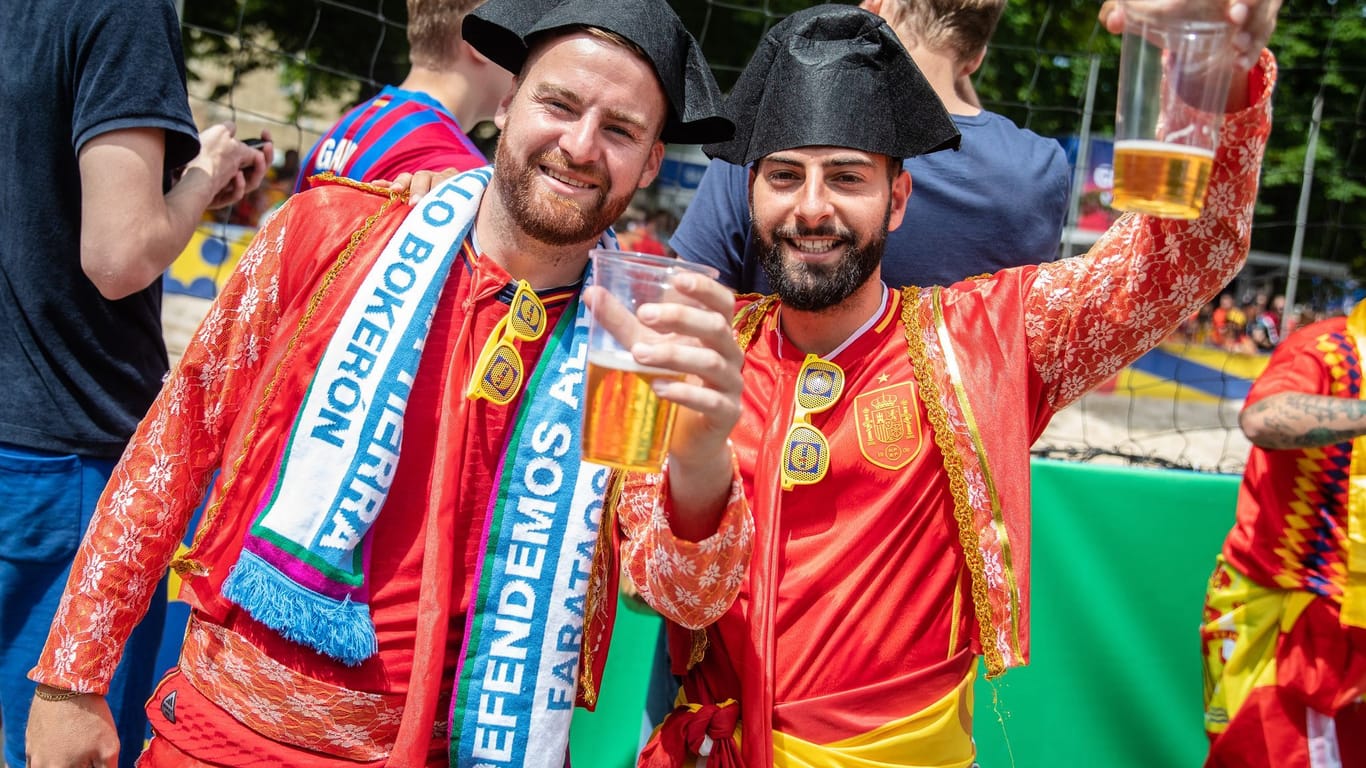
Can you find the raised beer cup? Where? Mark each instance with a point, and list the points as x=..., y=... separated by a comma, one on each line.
x=625, y=424
x=1173, y=83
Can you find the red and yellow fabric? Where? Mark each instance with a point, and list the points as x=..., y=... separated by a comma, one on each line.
x=939, y=736
x=924, y=509
x=1354, y=587
x=1283, y=681
x=1282, y=659
x=229, y=404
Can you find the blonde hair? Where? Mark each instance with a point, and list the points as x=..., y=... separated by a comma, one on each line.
x=963, y=27
x=432, y=26
x=606, y=35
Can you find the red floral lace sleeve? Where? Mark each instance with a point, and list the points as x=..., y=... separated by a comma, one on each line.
x=163, y=474
x=689, y=583
x=1088, y=317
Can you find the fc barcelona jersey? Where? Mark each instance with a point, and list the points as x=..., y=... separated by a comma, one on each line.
x=395, y=132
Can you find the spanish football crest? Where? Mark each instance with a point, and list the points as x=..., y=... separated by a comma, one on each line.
x=889, y=425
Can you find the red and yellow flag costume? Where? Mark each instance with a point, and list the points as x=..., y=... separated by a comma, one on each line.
x=1285, y=665
x=872, y=592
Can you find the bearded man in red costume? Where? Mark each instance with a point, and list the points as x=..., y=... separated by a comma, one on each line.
x=404, y=560
x=884, y=440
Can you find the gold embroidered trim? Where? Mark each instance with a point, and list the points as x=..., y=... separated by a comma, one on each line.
x=187, y=565
x=598, y=579
x=993, y=496
x=698, y=650
x=955, y=617
x=953, y=466
x=330, y=177
x=748, y=319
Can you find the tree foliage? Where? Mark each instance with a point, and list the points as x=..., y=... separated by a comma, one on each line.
x=1321, y=49
x=327, y=48
x=1037, y=69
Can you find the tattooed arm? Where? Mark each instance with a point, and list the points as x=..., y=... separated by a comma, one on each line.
x=1298, y=420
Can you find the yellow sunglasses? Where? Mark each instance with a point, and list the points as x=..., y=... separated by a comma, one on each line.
x=499, y=370
x=806, y=452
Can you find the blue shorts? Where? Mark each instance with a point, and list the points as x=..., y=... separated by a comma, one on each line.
x=46, y=502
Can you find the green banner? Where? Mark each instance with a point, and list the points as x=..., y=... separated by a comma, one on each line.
x=1120, y=561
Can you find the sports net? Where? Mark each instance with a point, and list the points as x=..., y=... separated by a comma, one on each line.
x=293, y=68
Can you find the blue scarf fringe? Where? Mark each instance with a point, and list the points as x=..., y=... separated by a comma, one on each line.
x=340, y=629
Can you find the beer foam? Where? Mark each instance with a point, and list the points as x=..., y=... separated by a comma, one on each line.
x=623, y=361
x=1151, y=145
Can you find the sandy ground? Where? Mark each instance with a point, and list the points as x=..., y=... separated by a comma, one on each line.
x=1126, y=430
x=180, y=316
x=1119, y=428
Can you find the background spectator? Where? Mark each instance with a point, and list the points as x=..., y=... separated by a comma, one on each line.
x=92, y=219
x=421, y=124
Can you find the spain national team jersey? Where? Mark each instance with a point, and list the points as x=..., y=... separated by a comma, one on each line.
x=1291, y=531
x=395, y=132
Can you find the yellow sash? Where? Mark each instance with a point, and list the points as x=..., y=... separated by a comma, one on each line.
x=1354, y=591
x=939, y=736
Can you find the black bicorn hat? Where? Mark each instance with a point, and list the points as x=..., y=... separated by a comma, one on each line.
x=504, y=30
x=833, y=75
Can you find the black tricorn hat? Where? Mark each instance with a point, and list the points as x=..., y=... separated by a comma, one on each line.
x=504, y=31
x=833, y=75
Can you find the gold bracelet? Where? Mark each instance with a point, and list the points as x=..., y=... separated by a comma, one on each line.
x=49, y=696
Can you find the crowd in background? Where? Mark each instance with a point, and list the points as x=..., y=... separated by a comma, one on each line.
x=1252, y=324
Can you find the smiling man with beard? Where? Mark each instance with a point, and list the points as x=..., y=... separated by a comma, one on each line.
x=829, y=261
x=884, y=435
x=403, y=560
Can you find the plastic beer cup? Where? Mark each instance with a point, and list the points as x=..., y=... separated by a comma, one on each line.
x=1173, y=83
x=625, y=424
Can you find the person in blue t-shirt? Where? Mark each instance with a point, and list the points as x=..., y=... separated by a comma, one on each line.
x=105, y=177
x=999, y=201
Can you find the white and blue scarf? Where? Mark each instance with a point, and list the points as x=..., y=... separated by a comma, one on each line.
x=303, y=566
